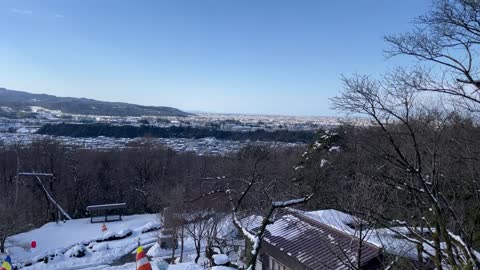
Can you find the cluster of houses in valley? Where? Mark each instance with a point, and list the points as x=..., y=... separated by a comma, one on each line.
x=203, y=146
x=227, y=122
x=23, y=130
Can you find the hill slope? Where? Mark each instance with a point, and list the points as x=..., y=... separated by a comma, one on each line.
x=15, y=101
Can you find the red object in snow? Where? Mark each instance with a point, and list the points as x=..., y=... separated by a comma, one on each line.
x=34, y=244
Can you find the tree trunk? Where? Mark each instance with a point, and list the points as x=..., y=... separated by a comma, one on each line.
x=173, y=253
x=360, y=244
x=2, y=244
x=198, y=248
x=420, y=256
x=438, y=251
x=181, y=243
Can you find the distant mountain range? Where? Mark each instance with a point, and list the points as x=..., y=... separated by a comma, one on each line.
x=19, y=104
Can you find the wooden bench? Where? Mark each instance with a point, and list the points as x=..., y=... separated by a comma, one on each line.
x=106, y=212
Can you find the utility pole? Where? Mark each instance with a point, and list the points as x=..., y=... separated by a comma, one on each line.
x=17, y=179
x=47, y=193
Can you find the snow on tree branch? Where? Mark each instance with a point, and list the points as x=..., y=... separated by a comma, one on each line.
x=279, y=204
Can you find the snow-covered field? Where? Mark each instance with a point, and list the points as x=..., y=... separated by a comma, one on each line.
x=53, y=236
x=65, y=243
x=61, y=242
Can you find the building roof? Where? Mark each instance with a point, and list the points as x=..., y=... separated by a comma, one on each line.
x=316, y=244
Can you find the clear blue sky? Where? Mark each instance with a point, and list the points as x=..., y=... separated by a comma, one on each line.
x=239, y=56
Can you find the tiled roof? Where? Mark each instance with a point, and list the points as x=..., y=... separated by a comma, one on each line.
x=317, y=245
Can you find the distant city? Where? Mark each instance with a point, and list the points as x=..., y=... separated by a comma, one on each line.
x=24, y=130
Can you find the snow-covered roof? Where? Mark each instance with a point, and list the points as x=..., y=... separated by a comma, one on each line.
x=334, y=218
x=316, y=244
x=385, y=238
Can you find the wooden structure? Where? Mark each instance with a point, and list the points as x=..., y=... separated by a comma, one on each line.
x=106, y=212
x=48, y=194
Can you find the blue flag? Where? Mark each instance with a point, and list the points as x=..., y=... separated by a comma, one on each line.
x=7, y=264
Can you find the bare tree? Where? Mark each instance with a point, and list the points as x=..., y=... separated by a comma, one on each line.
x=251, y=190
x=196, y=227
x=446, y=40
x=10, y=223
x=423, y=152
x=411, y=155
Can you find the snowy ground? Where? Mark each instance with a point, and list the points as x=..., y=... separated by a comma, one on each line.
x=63, y=241
x=60, y=241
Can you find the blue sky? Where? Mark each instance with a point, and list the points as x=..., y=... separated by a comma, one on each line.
x=238, y=56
